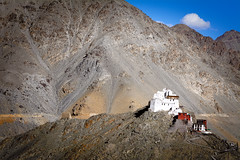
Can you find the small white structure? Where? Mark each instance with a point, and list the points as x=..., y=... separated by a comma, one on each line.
x=200, y=126
x=165, y=100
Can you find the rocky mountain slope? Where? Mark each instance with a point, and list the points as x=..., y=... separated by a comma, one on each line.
x=81, y=58
x=231, y=40
x=125, y=136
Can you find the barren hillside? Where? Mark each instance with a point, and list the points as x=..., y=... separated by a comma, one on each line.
x=231, y=39
x=81, y=58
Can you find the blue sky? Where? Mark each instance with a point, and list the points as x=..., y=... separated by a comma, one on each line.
x=211, y=17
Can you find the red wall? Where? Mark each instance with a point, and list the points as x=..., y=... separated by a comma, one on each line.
x=183, y=116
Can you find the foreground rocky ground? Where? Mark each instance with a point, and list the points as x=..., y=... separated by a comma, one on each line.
x=140, y=135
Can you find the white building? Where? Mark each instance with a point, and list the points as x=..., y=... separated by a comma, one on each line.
x=165, y=100
x=201, y=125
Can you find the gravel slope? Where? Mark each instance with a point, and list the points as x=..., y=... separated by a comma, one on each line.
x=88, y=57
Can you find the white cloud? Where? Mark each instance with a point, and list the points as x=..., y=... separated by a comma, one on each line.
x=194, y=21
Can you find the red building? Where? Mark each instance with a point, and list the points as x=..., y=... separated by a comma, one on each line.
x=184, y=116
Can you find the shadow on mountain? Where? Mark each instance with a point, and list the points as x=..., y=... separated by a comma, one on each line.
x=138, y=113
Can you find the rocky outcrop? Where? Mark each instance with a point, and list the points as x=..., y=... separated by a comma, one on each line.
x=231, y=39
x=123, y=136
x=216, y=56
x=104, y=56
x=215, y=53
